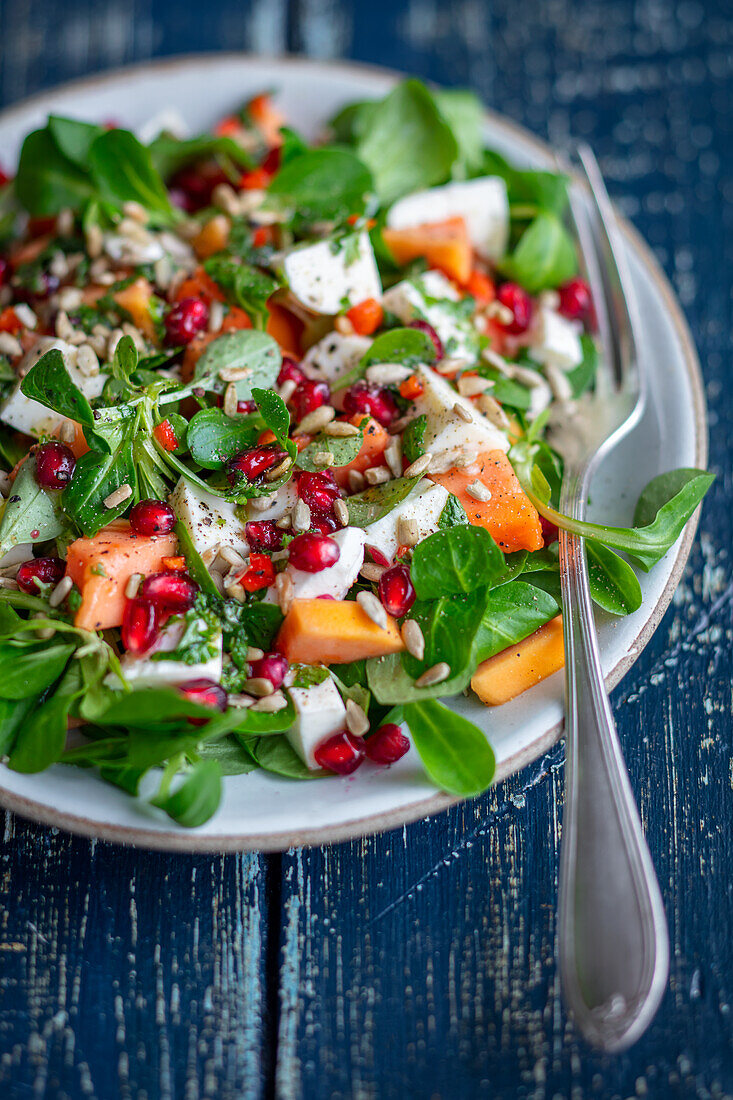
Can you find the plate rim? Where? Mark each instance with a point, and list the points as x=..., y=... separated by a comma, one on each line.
x=187, y=841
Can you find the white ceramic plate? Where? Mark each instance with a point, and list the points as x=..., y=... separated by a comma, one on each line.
x=263, y=811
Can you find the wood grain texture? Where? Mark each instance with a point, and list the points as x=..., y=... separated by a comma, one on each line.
x=420, y=963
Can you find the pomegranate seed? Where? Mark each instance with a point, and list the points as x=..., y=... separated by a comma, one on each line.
x=206, y=693
x=4, y=270
x=312, y=553
x=516, y=298
x=378, y=557
x=262, y=534
x=396, y=591
x=323, y=523
x=185, y=320
x=342, y=753
x=365, y=397
x=550, y=532
x=271, y=667
x=252, y=465
x=55, y=464
x=139, y=625
x=39, y=571
x=575, y=300
x=423, y=326
x=152, y=517
x=260, y=574
x=290, y=372
x=318, y=490
x=192, y=188
x=387, y=744
x=173, y=592
x=309, y=396
x=246, y=406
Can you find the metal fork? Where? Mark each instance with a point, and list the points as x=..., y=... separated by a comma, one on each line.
x=613, y=940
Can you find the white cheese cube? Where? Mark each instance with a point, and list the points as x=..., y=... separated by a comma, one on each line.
x=31, y=417
x=556, y=340
x=334, y=356
x=285, y=498
x=319, y=713
x=145, y=672
x=433, y=298
x=449, y=438
x=337, y=579
x=210, y=521
x=424, y=504
x=330, y=276
x=482, y=202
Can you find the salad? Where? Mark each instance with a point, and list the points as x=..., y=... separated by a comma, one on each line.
x=276, y=421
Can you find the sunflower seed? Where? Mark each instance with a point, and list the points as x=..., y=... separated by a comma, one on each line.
x=60, y=592
x=87, y=362
x=372, y=572
x=493, y=411
x=393, y=456
x=136, y=211
x=67, y=432
x=558, y=380
x=259, y=686
x=70, y=298
x=225, y=197
x=285, y=591
x=408, y=532
x=356, y=481
x=323, y=459
x=240, y=700
x=230, y=400
x=121, y=494
x=94, y=241
x=549, y=299
x=254, y=653
x=234, y=374
x=25, y=315
x=471, y=385
x=235, y=591
x=495, y=360
x=301, y=516
x=6, y=582
x=65, y=222
x=451, y=366
x=339, y=429
x=313, y=422
x=344, y=326
x=278, y=471
x=261, y=504
x=9, y=345
x=284, y=523
x=216, y=316
x=341, y=511
x=462, y=413
x=413, y=638
x=527, y=377
x=434, y=675
x=387, y=374
x=270, y=704
x=356, y=719
x=378, y=475
x=419, y=466
x=287, y=389
x=371, y=606
x=478, y=491
x=231, y=557
x=499, y=312
x=133, y=584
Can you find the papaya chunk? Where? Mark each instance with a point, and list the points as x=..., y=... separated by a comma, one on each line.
x=509, y=515
x=521, y=666
x=376, y=440
x=328, y=632
x=135, y=298
x=101, y=566
x=445, y=245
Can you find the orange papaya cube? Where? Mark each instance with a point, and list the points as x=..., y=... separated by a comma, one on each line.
x=135, y=298
x=212, y=237
x=376, y=440
x=521, y=666
x=199, y=285
x=284, y=327
x=509, y=515
x=328, y=632
x=101, y=566
x=78, y=445
x=445, y=245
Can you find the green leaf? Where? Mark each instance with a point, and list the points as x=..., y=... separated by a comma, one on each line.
x=274, y=412
x=194, y=562
x=213, y=437
x=375, y=503
x=613, y=583
x=545, y=256
x=123, y=171
x=326, y=184
x=455, y=561
x=28, y=670
x=343, y=448
x=248, y=350
x=47, y=181
x=73, y=138
x=168, y=154
x=512, y=612
x=95, y=476
x=413, y=438
x=233, y=758
x=13, y=714
x=453, y=514
x=455, y=754
x=31, y=514
x=391, y=684
x=275, y=754
x=244, y=286
x=405, y=346
x=529, y=191
x=464, y=113
x=582, y=377
x=42, y=737
x=406, y=142
x=449, y=626
x=49, y=382
x=197, y=798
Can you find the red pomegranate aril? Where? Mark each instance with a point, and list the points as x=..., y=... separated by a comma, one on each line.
x=171, y=591
x=312, y=553
x=310, y=394
x=192, y=188
x=550, y=532
x=152, y=517
x=342, y=753
x=262, y=534
x=55, y=464
x=185, y=320
x=396, y=591
x=272, y=667
x=5, y=270
x=323, y=523
x=387, y=744
x=39, y=571
x=366, y=397
x=516, y=299
x=289, y=372
x=139, y=625
x=318, y=490
x=423, y=326
x=575, y=300
x=244, y=407
x=377, y=556
x=207, y=693
x=252, y=465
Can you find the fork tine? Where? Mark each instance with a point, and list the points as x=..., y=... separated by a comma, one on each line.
x=620, y=296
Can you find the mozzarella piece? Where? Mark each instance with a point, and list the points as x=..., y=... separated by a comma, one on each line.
x=319, y=713
x=144, y=672
x=211, y=521
x=482, y=202
x=449, y=438
x=556, y=340
x=334, y=356
x=424, y=504
x=31, y=417
x=285, y=498
x=337, y=579
x=414, y=299
x=330, y=276
x=17, y=555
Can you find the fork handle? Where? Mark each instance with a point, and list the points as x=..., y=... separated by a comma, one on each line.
x=613, y=941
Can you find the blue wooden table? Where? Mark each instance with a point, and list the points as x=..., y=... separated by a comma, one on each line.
x=420, y=963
